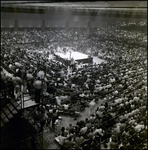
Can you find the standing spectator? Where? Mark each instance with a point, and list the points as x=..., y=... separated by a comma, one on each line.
x=30, y=86
x=54, y=117
x=58, y=125
x=3, y=86
x=43, y=120
x=23, y=77
x=17, y=86
x=49, y=114
x=38, y=87
x=10, y=86
x=79, y=139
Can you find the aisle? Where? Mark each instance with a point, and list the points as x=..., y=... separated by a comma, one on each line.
x=85, y=114
x=66, y=120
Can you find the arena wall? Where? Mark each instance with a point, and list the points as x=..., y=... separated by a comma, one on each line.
x=17, y=18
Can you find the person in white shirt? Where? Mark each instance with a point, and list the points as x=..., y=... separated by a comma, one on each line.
x=100, y=131
x=17, y=86
x=58, y=123
x=83, y=130
x=66, y=106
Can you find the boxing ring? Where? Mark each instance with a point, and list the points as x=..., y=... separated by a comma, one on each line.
x=73, y=55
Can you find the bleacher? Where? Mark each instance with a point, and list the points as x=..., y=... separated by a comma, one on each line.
x=121, y=80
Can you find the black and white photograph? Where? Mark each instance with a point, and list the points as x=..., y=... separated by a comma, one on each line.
x=73, y=75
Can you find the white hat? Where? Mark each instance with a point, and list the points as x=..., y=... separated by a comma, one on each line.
x=59, y=117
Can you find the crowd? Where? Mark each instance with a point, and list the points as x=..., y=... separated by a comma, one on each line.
x=120, y=81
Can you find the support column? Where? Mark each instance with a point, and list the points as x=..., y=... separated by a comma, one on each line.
x=16, y=25
x=88, y=27
x=67, y=25
x=43, y=25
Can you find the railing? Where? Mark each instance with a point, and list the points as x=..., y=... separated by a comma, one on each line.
x=6, y=67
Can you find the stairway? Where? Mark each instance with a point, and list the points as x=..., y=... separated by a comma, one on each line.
x=10, y=107
x=9, y=110
x=15, y=128
x=27, y=101
x=14, y=134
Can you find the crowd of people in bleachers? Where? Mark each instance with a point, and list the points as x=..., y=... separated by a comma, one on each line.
x=120, y=81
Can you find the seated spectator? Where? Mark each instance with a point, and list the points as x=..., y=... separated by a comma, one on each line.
x=90, y=133
x=77, y=130
x=83, y=130
x=114, y=143
x=92, y=118
x=95, y=144
x=68, y=143
x=79, y=139
x=88, y=123
x=70, y=127
x=99, y=113
x=72, y=134
x=63, y=131
x=61, y=139
x=81, y=123
x=100, y=131
x=66, y=106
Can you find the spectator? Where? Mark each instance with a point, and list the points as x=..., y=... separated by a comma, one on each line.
x=68, y=144
x=58, y=123
x=43, y=120
x=17, y=86
x=79, y=139
x=38, y=87
x=49, y=114
x=54, y=117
